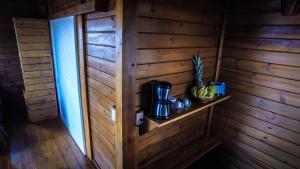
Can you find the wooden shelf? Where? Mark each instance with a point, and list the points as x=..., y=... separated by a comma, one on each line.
x=184, y=156
x=196, y=107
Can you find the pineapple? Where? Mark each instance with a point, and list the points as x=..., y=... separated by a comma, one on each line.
x=198, y=71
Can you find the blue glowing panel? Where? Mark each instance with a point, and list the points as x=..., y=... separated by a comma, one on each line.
x=67, y=76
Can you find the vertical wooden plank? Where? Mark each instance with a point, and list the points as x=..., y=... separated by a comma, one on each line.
x=83, y=87
x=218, y=64
x=126, y=39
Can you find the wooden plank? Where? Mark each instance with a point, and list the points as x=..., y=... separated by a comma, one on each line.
x=33, y=39
x=265, y=92
x=102, y=65
x=101, y=88
x=34, y=74
x=103, y=52
x=174, y=41
x=37, y=67
x=83, y=8
x=155, y=25
x=264, y=80
x=34, y=46
x=102, y=77
x=278, y=45
x=126, y=49
x=107, y=24
x=276, y=32
x=33, y=31
x=290, y=59
x=105, y=39
x=30, y=23
x=263, y=68
x=35, y=53
x=158, y=69
x=172, y=12
x=83, y=84
x=35, y=87
x=266, y=19
x=167, y=55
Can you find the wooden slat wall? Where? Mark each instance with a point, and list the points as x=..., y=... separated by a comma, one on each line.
x=101, y=72
x=260, y=127
x=11, y=82
x=36, y=62
x=169, y=34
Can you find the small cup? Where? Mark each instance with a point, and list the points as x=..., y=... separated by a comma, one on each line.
x=179, y=105
x=187, y=102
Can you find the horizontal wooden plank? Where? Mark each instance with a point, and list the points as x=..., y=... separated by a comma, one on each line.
x=35, y=53
x=37, y=100
x=35, y=74
x=291, y=59
x=42, y=105
x=36, y=39
x=265, y=92
x=35, y=67
x=174, y=41
x=282, y=109
x=101, y=99
x=158, y=69
x=260, y=135
x=36, y=60
x=103, y=52
x=154, y=25
x=40, y=93
x=30, y=23
x=265, y=19
x=105, y=136
x=261, y=149
x=172, y=12
x=264, y=80
x=101, y=109
x=103, y=38
x=98, y=15
x=267, y=116
x=35, y=87
x=102, y=77
x=102, y=119
x=101, y=88
x=263, y=68
x=276, y=32
x=167, y=55
x=267, y=127
x=34, y=46
x=33, y=31
x=101, y=150
x=279, y=45
x=101, y=25
x=102, y=65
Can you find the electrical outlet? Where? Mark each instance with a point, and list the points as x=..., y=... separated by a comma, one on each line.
x=139, y=118
x=113, y=114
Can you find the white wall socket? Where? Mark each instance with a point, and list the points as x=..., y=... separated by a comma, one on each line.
x=113, y=114
x=139, y=118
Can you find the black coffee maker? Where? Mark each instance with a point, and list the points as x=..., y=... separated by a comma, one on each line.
x=160, y=105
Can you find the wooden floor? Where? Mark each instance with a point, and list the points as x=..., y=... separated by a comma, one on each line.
x=43, y=145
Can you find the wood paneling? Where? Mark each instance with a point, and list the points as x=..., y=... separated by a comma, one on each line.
x=169, y=35
x=11, y=82
x=261, y=62
x=37, y=76
x=100, y=74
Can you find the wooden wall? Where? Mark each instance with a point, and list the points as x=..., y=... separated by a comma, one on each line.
x=36, y=62
x=169, y=34
x=101, y=72
x=260, y=127
x=11, y=82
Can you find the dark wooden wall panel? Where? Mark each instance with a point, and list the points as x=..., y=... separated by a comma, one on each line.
x=169, y=34
x=11, y=81
x=101, y=77
x=260, y=127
